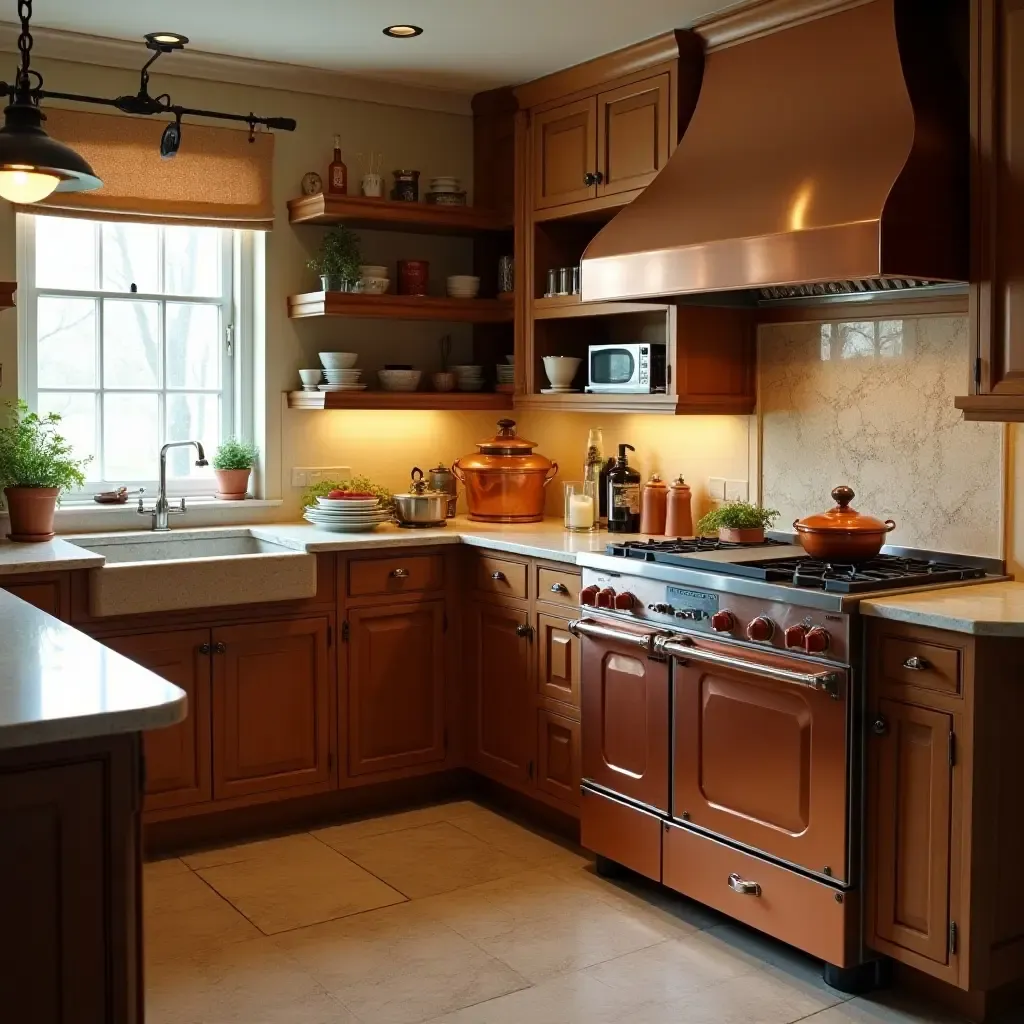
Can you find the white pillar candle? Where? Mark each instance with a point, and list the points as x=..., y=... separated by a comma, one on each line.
x=581, y=511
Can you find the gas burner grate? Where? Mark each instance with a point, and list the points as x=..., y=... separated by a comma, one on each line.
x=674, y=552
x=880, y=573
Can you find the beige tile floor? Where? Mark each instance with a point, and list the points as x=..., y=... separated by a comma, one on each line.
x=456, y=915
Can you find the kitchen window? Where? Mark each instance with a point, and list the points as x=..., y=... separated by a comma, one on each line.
x=131, y=332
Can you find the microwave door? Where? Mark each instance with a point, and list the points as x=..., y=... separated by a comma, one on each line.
x=612, y=366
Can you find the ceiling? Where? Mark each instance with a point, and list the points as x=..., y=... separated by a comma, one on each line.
x=467, y=45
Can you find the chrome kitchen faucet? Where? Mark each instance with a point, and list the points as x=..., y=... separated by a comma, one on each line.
x=162, y=511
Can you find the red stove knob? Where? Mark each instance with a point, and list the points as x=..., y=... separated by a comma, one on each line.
x=761, y=629
x=795, y=636
x=817, y=640
x=625, y=602
x=606, y=598
x=588, y=595
x=722, y=622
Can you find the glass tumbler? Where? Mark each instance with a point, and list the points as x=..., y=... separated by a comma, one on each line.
x=580, y=506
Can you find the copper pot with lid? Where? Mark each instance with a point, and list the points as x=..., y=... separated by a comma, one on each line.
x=842, y=534
x=505, y=478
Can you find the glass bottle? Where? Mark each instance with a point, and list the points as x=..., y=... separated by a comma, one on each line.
x=337, y=173
x=594, y=460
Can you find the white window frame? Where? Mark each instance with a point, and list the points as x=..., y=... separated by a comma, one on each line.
x=236, y=302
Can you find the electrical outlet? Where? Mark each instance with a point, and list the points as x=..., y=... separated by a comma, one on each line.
x=306, y=476
x=716, y=488
x=736, y=490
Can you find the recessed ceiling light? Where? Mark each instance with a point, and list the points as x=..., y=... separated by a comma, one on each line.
x=166, y=40
x=403, y=31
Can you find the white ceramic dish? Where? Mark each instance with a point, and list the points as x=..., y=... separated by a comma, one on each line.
x=311, y=377
x=338, y=360
x=344, y=527
x=342, y=376
x=342, y=387
x=348, y=504
x=559, y=391
x=399, y=380
x=561, y=370
x=374, y=285
x=463, y=286
x=373, y=270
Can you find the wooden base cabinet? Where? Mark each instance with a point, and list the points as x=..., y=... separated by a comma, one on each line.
x=558, y=756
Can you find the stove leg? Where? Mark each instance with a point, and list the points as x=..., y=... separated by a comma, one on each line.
x=608, y=868
x=856, y=980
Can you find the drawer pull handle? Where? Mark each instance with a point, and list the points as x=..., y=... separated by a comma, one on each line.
x=559, y=588
x=399, y=574
x=743, y=887
x=497, y=575
x=917, y=664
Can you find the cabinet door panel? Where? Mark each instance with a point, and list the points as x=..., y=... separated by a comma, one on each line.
x=558, y=756
x=396, y=684
x=909, y=820
x=178, y=771
x=564, y=152
x=271, y=707
x=633, y=141
x=558, y=660
x=48, y=594
x=503, y=700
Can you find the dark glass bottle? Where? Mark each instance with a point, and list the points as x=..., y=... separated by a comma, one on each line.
x=603, y=489
x=623, y=495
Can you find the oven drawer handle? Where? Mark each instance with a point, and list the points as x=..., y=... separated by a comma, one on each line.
x=597, y=631
x=824, y=682
x=743, y=887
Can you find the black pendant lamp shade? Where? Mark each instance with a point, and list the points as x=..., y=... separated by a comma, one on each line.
x=24, y=146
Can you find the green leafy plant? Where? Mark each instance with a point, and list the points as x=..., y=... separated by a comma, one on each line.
x=353, y=483
x=236, y=454
x=339, y=255
x=737, y=515
x=33, y=454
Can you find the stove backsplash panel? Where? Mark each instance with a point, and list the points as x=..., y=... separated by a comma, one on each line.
x=870, y=404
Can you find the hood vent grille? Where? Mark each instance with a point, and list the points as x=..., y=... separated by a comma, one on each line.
x=866, y=290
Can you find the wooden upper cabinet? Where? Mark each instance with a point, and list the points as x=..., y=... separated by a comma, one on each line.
x=396, y=684
x=909, y=831
x=633, y=134
x=178, y=769
x=271, y=707
x=565, y=154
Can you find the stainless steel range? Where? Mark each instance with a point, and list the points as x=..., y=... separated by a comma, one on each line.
x=721, y=714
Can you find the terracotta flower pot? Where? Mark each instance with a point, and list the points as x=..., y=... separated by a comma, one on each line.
x=735, y=535
x=232, y=483
x=31, y=511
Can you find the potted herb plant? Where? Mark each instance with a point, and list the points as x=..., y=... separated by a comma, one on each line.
x=36, y=464
x=232, y=465
x=738, y=522
x=338, y=260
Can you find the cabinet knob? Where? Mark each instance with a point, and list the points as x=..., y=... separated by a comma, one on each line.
x=497, y=575
x=399, y=574
x=219, y=648
x=559, y=588
x=880, y=727
x=206, y=649
x=917, y=664
x=523, y=630
x=592, y=178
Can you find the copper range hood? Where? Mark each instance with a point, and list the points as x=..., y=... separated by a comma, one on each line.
x=832, y=150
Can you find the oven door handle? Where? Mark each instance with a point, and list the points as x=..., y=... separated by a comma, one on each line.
x=824, y=682
x=599, y=631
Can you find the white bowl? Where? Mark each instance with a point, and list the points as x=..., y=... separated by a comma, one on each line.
x=338, y=360
x=463, y=286
x=399, y=380
x=311, y=377
x=561, y=369
x=372, y=270
x=511, y=359
x=467, y=368
x=374, y=285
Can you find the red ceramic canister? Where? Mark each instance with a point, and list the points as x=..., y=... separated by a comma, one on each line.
x=413, y=276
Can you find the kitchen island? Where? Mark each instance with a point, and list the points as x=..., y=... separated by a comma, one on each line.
x=71, y=717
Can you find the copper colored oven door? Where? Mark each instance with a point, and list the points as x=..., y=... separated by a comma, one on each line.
x=760, y=761
x=625, y=720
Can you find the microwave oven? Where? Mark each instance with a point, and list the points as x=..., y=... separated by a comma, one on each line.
x=635, y=367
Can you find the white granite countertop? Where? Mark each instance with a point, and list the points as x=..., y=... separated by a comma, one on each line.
x=49, y=556
x=983, y=609
x=58, y=684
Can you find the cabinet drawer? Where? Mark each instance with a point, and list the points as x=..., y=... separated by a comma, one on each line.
x=556, y=586
x=500, y=576
x=788, y=906
x=621, y=832
x=402, y=574
x=929, y=666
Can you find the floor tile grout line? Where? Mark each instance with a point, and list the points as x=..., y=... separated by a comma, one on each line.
x=238, y=910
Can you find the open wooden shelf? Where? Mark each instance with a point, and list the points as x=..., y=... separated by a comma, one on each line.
x=410, y=400
x=390, y=215
x=7, y=290
x=599, y=403
x=401, y=307
x=558, y=306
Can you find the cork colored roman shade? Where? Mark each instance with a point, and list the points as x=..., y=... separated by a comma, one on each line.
x=217, y=178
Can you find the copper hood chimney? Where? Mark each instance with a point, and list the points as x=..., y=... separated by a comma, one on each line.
x=831, y=150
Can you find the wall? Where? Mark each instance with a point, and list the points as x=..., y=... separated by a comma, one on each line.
x=870, y=404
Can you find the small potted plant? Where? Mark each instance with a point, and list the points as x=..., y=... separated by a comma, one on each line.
x=36, y=464
x=232, y=465
x=338, y=260
x=738, y=522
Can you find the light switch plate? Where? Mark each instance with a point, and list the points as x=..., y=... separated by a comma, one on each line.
x=306, y=476
x=737, y=490
x=716, y=488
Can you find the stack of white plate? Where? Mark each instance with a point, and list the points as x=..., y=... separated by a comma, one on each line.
x=446, y=183
x=343, y=380
x=506, y=372
x=471, y=378
x=346, y=515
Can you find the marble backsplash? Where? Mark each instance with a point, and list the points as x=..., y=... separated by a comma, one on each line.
x=870, y=404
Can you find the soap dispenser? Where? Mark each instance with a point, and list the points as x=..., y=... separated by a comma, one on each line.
x=623, y=495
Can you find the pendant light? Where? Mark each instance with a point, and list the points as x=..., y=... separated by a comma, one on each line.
x=32, y=165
